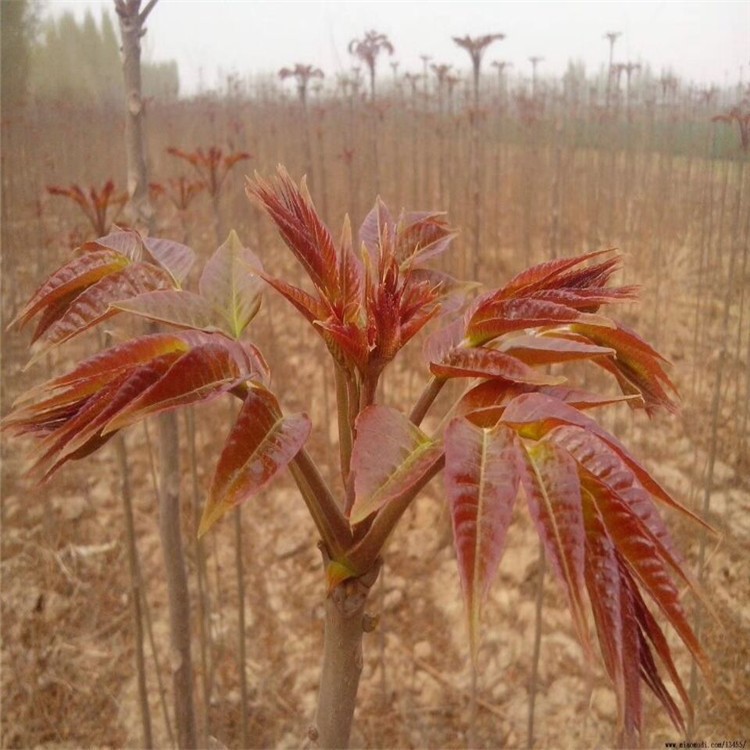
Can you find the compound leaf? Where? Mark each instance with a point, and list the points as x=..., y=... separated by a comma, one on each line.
x=481, y=480
x=404, y=456
x=231, y=285
x=262, y=442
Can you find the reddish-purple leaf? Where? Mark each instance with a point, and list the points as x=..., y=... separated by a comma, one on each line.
x=206, y=371
x=544, y=350
x=637, y=366
x=645, y=557
x=307, y=237
x=543, y=275
x=589, y=277
x=351, y=278
x=651, y=630
x=484, y=404
x=421, y=236
x=104, y=366
x=608, y=466
x=390, y=454
x=552, y=487
x=441, y=342
x=126, y=242
x=230, y=283
x=451, y=292
x=481, y=483
x=603, y=582
x=68, y=281
x=175, y=257
x=587, y=299
x=96, y=411
x=311, y=308
x=262, y=442
x=378, y=222
x=347, y=343
x=94, y=304
x=533, y=415
x=493, y=318
x=489, y=363
x=131, y=381
x=632, y=713
x=176, y=307
x=580, y=399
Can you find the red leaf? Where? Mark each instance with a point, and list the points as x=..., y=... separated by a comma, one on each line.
x=378, y=222
x=441, y=342
x=89, y=422
x=485, y=404
x=126, y=242
x=347, y=343
x=489, y=363
x=608, y=466
x=645, y=557
x=128, y=382
x=552, y=487
x=543, y=275
x=421, y=236
x=351, y=278
x=535, y=414
x=71, y=279
x=206, y=371
x=312, y=309
x=632, y=711
x=261, y=443
x=653, y=632
x=587, y=300
x=603, y=582
x=492, y=318
x=481, y=482
x=449, y=291
x=637, y=366
x=104, y=366
x=544, y=350
x=300, y=226
x=404, y=456
x=93, y=305
x=173, y=256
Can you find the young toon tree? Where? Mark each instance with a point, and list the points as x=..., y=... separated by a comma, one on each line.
x=515, y=427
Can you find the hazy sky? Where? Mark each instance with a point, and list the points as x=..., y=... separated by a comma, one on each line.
x=706, y=42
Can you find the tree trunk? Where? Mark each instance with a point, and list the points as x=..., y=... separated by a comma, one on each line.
x=345, y=624
x=131, y=30
x=177, y=582
x=132, y=20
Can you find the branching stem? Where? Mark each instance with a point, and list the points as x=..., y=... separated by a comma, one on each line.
x=429, y=394
x=329, y=520
x=364, y=553
x=344, y=423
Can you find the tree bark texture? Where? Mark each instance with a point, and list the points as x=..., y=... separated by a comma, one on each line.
x=345, y=623
x=177, y=582
x=131, y=30
x=132, y=20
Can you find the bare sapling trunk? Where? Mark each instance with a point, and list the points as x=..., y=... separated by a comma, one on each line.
x=136, y=590
x=177, y=582
x=708, y=487
x=132, y=20
x=136, y=582
x=346, y=622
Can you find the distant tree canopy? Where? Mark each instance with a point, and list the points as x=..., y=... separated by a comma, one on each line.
x=18, y=24
x=81, y=61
